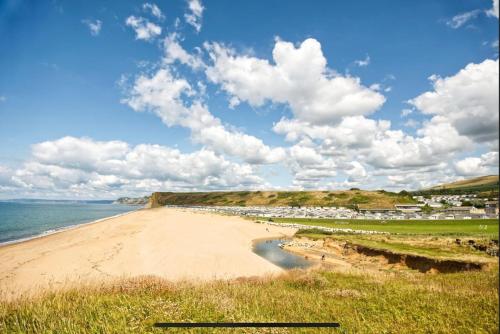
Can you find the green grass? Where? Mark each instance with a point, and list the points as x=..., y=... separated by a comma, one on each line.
x=472, y=227
x=400, y=303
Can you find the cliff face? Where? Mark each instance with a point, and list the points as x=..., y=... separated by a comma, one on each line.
x=154, y=200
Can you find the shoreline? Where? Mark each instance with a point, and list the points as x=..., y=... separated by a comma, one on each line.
x=62, y=229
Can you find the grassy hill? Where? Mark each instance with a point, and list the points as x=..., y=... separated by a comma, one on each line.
x=348, y=198
x=475, y=182
x=485, y=186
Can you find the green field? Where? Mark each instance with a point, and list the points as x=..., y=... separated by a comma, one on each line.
x=398, y=303
x=472, y=227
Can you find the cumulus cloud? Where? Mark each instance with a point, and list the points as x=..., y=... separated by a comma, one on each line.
x=195, y=14
x=459, y=20
x=494, y=10
x=299, y=78
x=76, y=165
x=309, y=168
x=164, y=95
x=154, y=10
x=467, y=100
x=144, y=29
x=473, y=166
x=375, y=143
x=94, y=26
x=411, y=123
x=351, y=132
x=357, y=172
x=406, y=112
x=435, y=142
x=175, y=52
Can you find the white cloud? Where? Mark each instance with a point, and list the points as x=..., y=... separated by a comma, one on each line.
x=373, y=142
x=299, y=78
x=351, y=132
x=406, y=112
x=357, y=172
x=164, y=95
x=411, y=123
x=467, y=100
x=154, y=10
x=459, y=20
x=77, y=165
x=494, y=10
x=94, y=26
x=144, y=29
x=195, y=14
x=5, y=176
x=483, y=165
x=309, y=168
x=435, y=143
x=363, y=62
x=175, y=52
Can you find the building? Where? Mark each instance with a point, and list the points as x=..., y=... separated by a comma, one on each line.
x=491, y=207
x=459, y=210
x=477, y=211
x=409, y=207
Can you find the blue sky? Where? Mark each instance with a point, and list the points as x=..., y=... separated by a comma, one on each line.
x=112, y=98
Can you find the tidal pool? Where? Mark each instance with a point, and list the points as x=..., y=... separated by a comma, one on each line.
x=270, y=250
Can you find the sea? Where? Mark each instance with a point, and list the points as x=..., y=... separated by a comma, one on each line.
x=26, y=219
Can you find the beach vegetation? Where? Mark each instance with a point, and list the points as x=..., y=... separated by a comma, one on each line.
x=401, y=302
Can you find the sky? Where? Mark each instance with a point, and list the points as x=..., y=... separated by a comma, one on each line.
x=103, y=99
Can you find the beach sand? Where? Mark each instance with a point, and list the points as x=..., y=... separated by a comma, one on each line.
x=170, y=243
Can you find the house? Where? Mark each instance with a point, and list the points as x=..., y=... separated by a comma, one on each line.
x=477, y=211
x=491, y=207
x=408, y=207
x=377, y=210
x=459, y=210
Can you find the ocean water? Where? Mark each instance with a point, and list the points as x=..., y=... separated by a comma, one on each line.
x=21, y=220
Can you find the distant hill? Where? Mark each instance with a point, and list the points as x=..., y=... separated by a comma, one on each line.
x=489, y=180
x=486, y=186
x=132, y=200
x=347, y=198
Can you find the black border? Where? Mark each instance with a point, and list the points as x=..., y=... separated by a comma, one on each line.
x=246, y=324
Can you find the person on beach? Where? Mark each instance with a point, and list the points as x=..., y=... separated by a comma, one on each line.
x=323, y=257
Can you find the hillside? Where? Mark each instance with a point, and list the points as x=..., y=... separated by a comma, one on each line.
x=483, y=186
x=475, y=182
x=347, y=198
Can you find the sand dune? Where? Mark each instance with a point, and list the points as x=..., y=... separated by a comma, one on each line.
x=173, y=244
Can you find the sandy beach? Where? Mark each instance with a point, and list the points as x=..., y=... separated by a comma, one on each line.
x=169, y=243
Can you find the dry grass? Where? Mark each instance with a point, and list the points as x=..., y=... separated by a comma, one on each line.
x=362, y=198
x=400, y=303
x=478, y=181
